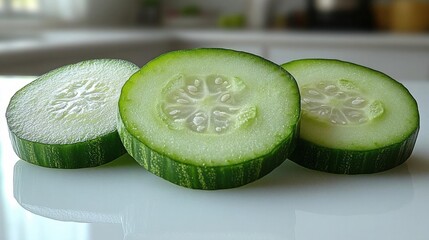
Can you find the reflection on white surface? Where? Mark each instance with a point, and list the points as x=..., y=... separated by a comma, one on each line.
x=146, y=206
x=150, y=208
x=16, y=224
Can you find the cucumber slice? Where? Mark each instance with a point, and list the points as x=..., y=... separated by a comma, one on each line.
x=209, y=118
x=354, y=119
x=67, y=117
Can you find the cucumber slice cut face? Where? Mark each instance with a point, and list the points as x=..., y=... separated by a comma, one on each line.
x=209, y=118
x=67, y=117
x=354, y=119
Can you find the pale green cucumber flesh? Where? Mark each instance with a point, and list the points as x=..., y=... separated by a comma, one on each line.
x=67, y=117
x=209, y=118
x=354, y=119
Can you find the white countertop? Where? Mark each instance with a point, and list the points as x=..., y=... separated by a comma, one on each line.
x=121, y=200
x=48, y=40
x=404, y=56
x=13, y=43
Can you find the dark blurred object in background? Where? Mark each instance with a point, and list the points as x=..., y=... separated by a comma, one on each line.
x=406, y=16
x=409, y=16
x=339, y=14
x=297, y=20
x=149, y=13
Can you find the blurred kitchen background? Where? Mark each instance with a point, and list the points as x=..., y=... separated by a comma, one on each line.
x=389, y=35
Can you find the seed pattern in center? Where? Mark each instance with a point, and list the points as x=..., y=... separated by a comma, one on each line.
x=77, y=98
x=338, y=103
x=205, y=104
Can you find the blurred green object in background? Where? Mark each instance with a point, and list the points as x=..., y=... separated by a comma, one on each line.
x=191, y=10
x=232, y=21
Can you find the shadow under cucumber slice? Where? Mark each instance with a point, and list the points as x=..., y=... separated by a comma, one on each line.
x=209, y=118
x=67, y=117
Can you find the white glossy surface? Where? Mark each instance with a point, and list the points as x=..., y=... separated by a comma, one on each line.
x=121, y=200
